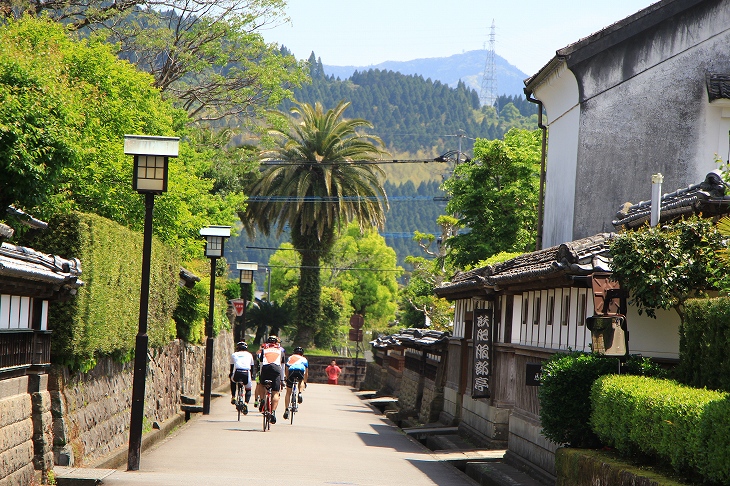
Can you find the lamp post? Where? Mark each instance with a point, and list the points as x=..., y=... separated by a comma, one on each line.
x=149, y=178
x=214, y=238
x=246, y=270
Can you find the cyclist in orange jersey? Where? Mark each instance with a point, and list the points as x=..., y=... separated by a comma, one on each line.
x=272, y=359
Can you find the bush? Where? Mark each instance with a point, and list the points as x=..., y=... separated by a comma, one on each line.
x=704, y=344
x=685, y=427
x=565, y=393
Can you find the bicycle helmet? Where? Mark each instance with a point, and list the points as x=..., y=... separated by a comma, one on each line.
x=299, y=350
x=272, y=339
x=241, y=346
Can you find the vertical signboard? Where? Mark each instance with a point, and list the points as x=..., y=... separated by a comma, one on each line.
x=482, y=353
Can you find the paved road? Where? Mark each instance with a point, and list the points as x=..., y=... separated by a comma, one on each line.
x=336, y=438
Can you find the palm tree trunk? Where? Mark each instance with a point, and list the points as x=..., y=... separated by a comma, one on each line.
x=308, y=299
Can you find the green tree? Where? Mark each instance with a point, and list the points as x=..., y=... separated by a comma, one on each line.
x=328, y=189
x=363, y=266
x=419, y=306
x=66, y=106
x=495, y=197
x=209, y=58
x=663, y=266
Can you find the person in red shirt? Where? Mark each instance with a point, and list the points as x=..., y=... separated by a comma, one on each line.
x=333, y=371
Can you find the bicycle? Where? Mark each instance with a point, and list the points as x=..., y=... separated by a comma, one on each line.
x=266, y=406
x=293, y=403
x=241, y=406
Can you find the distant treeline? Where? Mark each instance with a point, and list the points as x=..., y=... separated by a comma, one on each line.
x=415, y=115
x=411, y=209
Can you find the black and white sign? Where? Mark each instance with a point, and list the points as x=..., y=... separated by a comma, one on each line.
x=482, y=353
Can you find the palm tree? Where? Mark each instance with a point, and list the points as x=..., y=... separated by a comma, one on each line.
x=317, y=189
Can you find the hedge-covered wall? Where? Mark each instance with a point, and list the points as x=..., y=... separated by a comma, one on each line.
x=704, y=344
x=103, y=318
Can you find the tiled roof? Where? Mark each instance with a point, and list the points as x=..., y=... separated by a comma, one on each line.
x=718, y=86
x=707, y=198
x=53, y=274
x=580, y=257
x=412, y=338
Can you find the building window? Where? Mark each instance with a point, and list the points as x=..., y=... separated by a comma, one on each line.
x=550, y=310
x=536, y=311
x=582, y=310
x=565, y=312
x=525, y=308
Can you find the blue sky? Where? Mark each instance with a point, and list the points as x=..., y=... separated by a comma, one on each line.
x=363, y=33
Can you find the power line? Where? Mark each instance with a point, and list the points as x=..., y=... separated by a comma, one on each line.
x=342, y=198
x=352, y=162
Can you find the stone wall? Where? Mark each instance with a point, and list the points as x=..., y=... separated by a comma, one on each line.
x=91, y=411
x=25, y=430
x=317, y=365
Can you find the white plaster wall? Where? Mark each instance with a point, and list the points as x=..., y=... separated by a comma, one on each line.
x=559, y=95
x=656, y=338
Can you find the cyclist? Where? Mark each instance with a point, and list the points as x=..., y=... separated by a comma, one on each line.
x=272, y=357
x=297, y=369
x=241, y=372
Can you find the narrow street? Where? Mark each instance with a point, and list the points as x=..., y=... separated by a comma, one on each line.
x=336, y=438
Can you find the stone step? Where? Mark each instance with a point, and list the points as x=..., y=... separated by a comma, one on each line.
x=79, y=476
x=498, y=474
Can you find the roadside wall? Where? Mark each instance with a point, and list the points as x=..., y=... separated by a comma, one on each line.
x=91, y=411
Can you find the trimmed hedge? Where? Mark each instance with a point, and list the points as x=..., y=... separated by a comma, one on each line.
x=704, y=344
x=688, y=428
x=565, y=389
x=103, y=318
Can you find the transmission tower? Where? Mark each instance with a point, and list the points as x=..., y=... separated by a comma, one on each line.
x=488, y=94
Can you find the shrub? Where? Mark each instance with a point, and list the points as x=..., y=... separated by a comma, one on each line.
x=704, y=344
x=565, y=393
x=685, y=427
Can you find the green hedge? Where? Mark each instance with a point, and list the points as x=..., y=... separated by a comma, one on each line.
x=103, y=318
x=704, y=344
x=565, y=388
x=688, y=428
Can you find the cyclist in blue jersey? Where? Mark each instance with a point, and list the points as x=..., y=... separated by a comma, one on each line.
x=297, y=368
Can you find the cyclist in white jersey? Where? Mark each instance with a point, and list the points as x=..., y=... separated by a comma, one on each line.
x=242, y=372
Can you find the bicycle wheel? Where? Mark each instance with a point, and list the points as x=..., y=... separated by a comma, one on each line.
x=267, y=412
x=239, y=402
x=293, y=403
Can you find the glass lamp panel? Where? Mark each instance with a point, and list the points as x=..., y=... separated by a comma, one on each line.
x=246, y=276
x=214, y=247
x=150, y=173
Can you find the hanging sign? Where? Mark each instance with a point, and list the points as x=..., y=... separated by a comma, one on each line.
x=482, y=371
x=238, y=305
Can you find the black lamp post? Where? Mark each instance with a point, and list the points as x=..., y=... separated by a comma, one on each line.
x=149, y=178
x=214, y=238
x=246, y=270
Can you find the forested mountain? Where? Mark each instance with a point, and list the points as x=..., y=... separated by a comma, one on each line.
x=416, y=116
x=467, y=67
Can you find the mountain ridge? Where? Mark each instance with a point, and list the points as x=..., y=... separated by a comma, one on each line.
x=467, y=67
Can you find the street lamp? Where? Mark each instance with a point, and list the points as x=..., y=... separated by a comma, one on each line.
x=246, y=270
x=149, y=178
x=214, y=238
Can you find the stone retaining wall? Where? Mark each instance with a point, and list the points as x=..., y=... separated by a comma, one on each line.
x=91, y=411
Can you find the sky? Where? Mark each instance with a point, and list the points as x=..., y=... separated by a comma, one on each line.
x=364, y=33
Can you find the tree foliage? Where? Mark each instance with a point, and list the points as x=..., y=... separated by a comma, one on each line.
x=316, y=191
x=495, y=197
x=66, y=106
x=663, y=266
x=364, y=268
